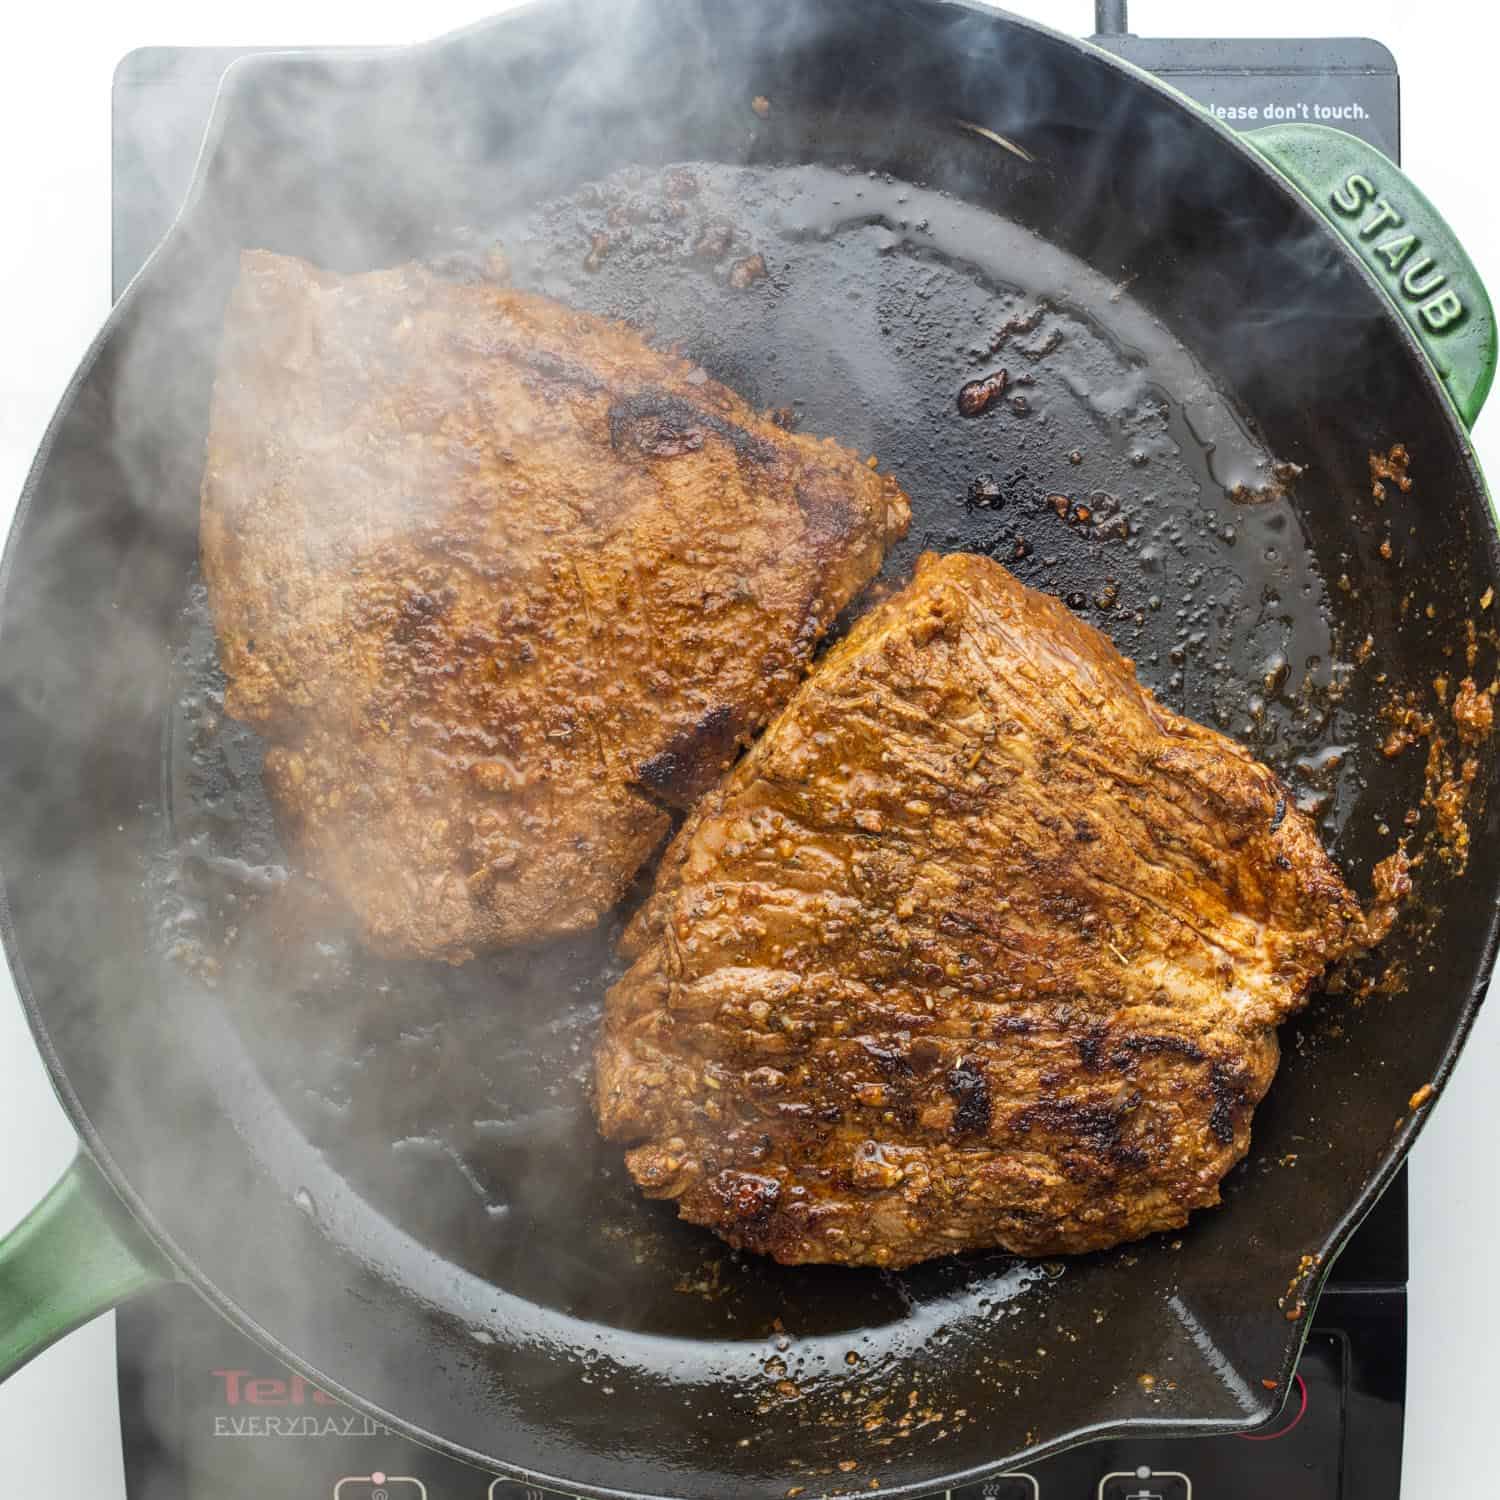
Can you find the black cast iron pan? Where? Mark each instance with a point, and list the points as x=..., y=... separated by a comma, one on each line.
x=388, y=1173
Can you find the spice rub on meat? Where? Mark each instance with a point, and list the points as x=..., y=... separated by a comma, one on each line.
x=978, y=946
x=496, y=581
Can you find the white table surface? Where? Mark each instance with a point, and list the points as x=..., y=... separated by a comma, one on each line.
x=59, y=1425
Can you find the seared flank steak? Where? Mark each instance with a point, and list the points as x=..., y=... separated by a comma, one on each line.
x=978, y=946
x=500, y=584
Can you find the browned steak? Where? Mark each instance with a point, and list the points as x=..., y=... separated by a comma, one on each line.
x=496, y=580
x=978, y=946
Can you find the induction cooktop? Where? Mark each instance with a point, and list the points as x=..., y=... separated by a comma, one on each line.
x=208, y=1416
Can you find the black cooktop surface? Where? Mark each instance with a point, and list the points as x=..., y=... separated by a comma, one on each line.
x=208, y=1416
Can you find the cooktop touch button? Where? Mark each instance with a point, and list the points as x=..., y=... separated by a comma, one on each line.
x=1001, y=1487
x=379, y=1486
x=1145, y=1484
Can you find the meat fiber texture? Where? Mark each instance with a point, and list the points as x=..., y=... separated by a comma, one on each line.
x=500, y=584
x=978, y=946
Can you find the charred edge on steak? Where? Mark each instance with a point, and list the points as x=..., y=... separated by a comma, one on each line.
x=900, y=1056
x=1016, y=1026
x=1094, y=1127
x=1098, y=1046
x=419, y=612
x=830, y=515
x=970, y=1091
x=416, y=651
x=676, y=775
x=660, y=425
x=1226, y=1088
x=1091, y=1048
x=890, y=1059
x=747, y=1197
x=1128, y=1048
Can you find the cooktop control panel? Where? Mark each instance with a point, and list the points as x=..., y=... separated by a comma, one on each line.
x=207, y=1414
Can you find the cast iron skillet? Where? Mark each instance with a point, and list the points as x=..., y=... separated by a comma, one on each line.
x=387, y=1173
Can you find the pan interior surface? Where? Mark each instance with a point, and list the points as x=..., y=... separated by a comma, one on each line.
x=390, y=1171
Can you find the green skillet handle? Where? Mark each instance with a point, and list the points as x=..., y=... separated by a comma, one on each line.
x=75, y=1255
x=1404, y=242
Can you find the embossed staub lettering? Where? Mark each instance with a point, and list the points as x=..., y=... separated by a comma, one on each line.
x=1397, y=253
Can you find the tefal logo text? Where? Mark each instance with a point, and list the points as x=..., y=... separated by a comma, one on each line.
x=242, y=1388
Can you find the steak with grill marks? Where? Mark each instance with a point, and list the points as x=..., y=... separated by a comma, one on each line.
x=978, y=946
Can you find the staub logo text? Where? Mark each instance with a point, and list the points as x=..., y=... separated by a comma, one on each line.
x=1398, y=253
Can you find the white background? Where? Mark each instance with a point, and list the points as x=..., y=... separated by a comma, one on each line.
x=59, y=1432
